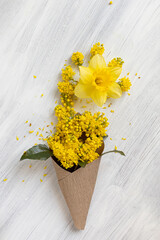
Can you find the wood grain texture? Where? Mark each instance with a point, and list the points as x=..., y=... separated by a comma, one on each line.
x=36, y=36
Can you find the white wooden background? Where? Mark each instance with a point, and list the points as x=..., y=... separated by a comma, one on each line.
x=36, y=36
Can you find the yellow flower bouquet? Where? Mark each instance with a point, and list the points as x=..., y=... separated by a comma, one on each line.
x=77, y=144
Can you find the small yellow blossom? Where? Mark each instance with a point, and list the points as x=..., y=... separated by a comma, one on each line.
x=67, y=73
x=31, y=131
x=77, y=58
x=116, y=62
x=97, y=49
x=4, y=180
x=17, y=138
x=125, y=84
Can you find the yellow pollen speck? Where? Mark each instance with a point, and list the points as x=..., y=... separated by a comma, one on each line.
x=41, y=135
x=109, y=105
x=22, y=180
x=34, y=76
x=47, y=125
x=35, y=144
x=45, y=167
x=41, y=180
x=129, y=123
x=50, y=131
x=139, y=77
x=129, y=94
x=42, y=95
x=136, y=74
x=112, y=111
x=30, y=166
x=30, y=124
x=56, y=102
x=39, y=128
x=104, y=107
x=39, y=138
x=52, y=123
x=123, y=138
x=83, y=106
x=26, y=121
x=4, y=180
x=110, y=138
x=42, y=129
x=44, y=175
x=127, y=73
x=17, y=138
x=115, y=147
x=31, y=131
x=110, y=3
x=44, y=139
x=37, y=133
x=24, y=136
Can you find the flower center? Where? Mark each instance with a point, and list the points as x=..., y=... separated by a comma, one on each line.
x=99, y=81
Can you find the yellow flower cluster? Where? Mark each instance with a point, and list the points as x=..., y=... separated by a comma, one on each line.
x=125, y=84
x=97, y=49
x=67, y=73
x=116, y=62
x=77, y=136
x=77, y=58
x=67, y=91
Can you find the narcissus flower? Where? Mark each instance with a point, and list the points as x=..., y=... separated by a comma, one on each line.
x=98, y=81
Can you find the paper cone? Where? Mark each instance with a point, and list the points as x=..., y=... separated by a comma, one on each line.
x=77, y=188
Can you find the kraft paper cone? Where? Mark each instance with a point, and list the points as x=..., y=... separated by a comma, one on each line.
x=77, y=188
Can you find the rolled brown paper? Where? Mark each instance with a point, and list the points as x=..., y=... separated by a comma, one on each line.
x=77, y=188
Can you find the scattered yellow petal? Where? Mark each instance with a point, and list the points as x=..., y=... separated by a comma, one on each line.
x=45, y=167
x=45, y=174
x=4, y=180
x=123, y=138
x=41, y=135
x=115, y=147
x=26, y=121
x=110, y=3
x=42, y=95
x=41, y=180
x=129, y=94
x=22, y=180
x=35, y=144
x=34, y=76
x=31, y=131
x=112, y=111
x=30, y=166
x=110, y=138
x=17, y=138
x=104, y=107
x=52, y=123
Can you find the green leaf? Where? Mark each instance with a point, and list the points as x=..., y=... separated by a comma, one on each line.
x=82, y=164
x=116, y=151
x=38, y=152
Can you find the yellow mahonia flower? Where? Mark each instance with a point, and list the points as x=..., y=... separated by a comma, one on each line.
x=67, y=73
x=67, y=91
x=77, y=58
x=98, y=81
x=97, y=49
x=116, y=62
x=125, y=84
